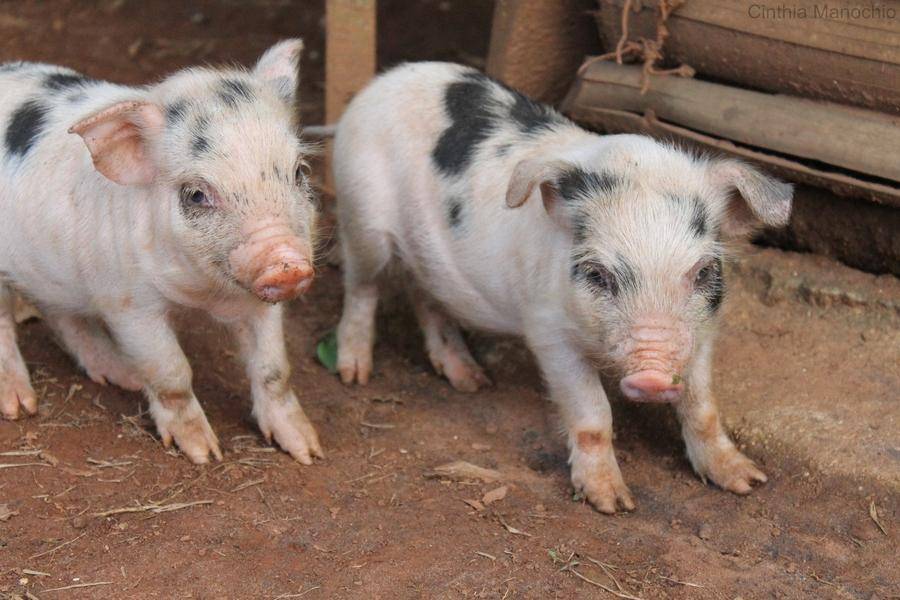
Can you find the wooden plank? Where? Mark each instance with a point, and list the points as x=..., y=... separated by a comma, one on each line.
x=839, y=26
x=537, y=45
x=350, y=52
x=848, y=138
x=778, y=55
x=350, y=60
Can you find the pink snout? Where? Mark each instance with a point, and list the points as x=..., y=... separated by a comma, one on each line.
x=652, y=386
x=283, y=281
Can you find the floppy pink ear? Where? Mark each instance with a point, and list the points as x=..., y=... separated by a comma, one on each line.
x=117, y=138
x=534, y=172
x=760, y=200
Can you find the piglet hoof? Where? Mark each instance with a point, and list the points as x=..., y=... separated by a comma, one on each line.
x=287, y=423
x=460, y=369
x=465, y=375
x=354, y=363
x=15, y=392
x=597, y=477
x=606, y=494
x=732, y=471
x=190, y=431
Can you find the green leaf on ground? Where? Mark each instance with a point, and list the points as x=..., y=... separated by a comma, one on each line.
x=326, y=351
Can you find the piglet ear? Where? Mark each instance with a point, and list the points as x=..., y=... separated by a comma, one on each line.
x=760, y=200
x=279, y=68
x=118, y=140
x=531, y=173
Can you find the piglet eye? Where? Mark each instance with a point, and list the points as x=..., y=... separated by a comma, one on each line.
x=600, y=278
x=195, y=197
x=707, y=274
x=303, y=172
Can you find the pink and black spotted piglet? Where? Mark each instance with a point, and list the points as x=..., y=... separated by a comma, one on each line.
x=119, y=203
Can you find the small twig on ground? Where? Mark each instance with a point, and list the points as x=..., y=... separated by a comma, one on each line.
x=570, y=564
x=30, y=464
x=302, y=593
x=685, y=583
x=21, y=453
x=377, y=425
x=601, y=586
x=486, y=555
x=510, y=528
x=152, y=508
x=55, y=548
x=35, y=573
x=109, y=464
x=873, y=513
x=825, y=581
x=78, y=585
x=247, y=484
x=607, y=570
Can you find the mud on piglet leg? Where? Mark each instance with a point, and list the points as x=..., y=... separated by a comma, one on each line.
x=275, y=406
x=711, y=452
x=575, y=386
x=15, y=385
x=150, y=343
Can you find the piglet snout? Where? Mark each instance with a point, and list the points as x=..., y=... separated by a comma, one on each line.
x=651, y=386
x=272, y=263
x=283, y=281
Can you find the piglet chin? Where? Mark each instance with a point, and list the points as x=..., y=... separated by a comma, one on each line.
x=651, y=386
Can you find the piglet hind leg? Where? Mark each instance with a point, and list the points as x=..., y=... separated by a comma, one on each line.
x=151, y=345
x=16, y=393
x=446, y=347
x=711, y=452
x=95, y=352
x=576, y=388
x=275, y=405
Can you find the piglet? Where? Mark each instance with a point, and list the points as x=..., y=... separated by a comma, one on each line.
x=119, y=203
x=603, y=252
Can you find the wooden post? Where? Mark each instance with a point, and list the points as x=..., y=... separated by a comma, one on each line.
x=538, y=45
x=350, y=58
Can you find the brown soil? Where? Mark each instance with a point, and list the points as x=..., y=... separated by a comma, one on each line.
x=367, y=522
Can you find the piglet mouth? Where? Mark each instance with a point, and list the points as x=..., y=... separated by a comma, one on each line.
x=272, y=263
x=652, y=386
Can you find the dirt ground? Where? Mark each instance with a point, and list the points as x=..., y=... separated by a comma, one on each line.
x=807, y=373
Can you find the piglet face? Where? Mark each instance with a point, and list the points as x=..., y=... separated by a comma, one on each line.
x=221, y=152
x=646, y=280
x=648, y=226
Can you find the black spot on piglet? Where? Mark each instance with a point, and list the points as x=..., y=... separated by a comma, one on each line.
x=25, y=126
x=232, y=91
x=454, y=212
x=471, y=107
x=57, y=82
x=176, y=112
x=578, y=184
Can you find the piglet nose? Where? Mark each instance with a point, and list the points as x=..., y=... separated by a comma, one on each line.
x=651, y=386
x=283, y=281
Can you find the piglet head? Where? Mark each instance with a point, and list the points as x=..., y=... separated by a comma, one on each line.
x=644, y=230
x=228, y=172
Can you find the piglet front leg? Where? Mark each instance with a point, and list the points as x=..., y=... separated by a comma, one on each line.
x=575, y=386
x=15, y=386
x=711, y=452
x=150, y=343
x=275, y=406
